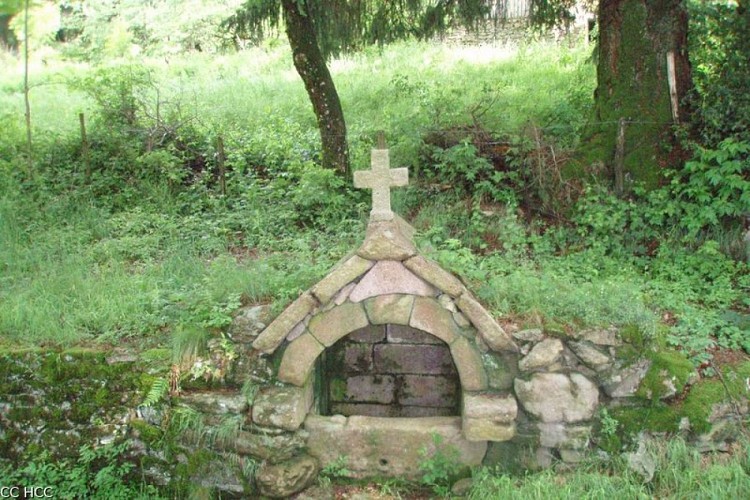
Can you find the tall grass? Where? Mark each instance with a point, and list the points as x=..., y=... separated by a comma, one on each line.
x=681, y=472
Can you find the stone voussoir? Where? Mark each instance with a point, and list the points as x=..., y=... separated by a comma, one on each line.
x=346, y=272
x=389, y=309
x=429, y=316
x=468, y=362
x=435, y=275
x=299, y=359
x=274, y=334
x=490, y=331
x=329, y=326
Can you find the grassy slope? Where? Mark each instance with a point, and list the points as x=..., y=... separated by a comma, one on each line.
x=73, y=270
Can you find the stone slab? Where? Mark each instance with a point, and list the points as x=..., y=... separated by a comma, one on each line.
x=387, y=240
x=590, y=355
x=543, y=355
x=429, y=316
x=341, y=275
x=529, y=335
x=482, y=429
x=389, y=277
x=283, y=407
x=369, y=334
x=329, y=326
x=557, y=397
x=415, y=359
x=425, y=390
x=299, y=360
x=274, y=334
x=468, y=362
x=490, y=331
x=393, y=309
x=435, y=275
x=388, y=447
x=559, y=435
x=369, y=389
x=390, y=411
x=401, y=334
x=602, y=336
x=273, y=448
x=358, y=358
x=216, y=403
x=500, y=408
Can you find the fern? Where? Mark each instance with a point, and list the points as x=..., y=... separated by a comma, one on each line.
x=158, y=389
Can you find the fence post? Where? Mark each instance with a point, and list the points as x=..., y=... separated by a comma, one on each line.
x=220, y=161
x=620, y=157
x=85, y=148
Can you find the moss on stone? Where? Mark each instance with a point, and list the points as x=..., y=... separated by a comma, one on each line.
x=634, y=336
x=658, y=417
x=703, y=395
x=337, y=389
x=666, y=366
x=149, y=434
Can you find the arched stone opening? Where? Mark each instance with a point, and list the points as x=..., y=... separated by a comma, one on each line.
x=424, y=314
x=389, y=371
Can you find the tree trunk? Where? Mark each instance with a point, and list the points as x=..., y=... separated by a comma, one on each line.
x=635, y=40
x=311, y=66
x=7, y=37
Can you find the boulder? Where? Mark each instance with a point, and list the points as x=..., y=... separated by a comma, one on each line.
x=545, y=354
x=557, y=397
x=287, y=478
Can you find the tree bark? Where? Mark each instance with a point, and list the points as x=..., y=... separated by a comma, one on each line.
x=8, y=39
x=635, y=38
x=311, y=66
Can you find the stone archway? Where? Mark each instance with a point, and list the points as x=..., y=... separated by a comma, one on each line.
x=387, y=282
x=422, y=313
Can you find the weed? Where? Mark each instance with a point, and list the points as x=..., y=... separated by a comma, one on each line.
x=440, y=465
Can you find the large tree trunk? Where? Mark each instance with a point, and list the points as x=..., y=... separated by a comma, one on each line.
x=7, y=37
x=311, y=66
x=635, y=38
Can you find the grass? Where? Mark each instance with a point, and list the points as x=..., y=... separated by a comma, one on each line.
x=149, y=246
x=681, y=472
x=75, y=268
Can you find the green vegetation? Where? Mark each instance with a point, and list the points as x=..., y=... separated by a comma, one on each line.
x=681, y=472
x=97, y=473
x=199, y=188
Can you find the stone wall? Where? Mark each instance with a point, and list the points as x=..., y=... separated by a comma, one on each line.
x=391, y=371
x=242, y=434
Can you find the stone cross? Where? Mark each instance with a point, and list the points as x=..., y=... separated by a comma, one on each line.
x=380, y=179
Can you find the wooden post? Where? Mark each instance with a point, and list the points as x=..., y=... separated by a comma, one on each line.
x=27, y=105
x=672, y=79
x=85, y=148
x=620, y=157
x=220, y=161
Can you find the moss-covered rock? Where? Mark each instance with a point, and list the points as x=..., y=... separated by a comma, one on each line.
x=668, y=375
